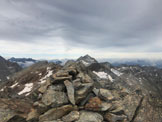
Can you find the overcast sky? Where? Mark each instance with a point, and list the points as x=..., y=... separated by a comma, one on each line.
x=70, y=28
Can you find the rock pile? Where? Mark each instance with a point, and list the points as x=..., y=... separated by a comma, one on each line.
x=75, y=94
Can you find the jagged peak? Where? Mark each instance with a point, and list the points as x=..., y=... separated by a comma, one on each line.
x=87, y=60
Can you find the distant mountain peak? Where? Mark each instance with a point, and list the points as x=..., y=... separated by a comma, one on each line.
x=87, y=60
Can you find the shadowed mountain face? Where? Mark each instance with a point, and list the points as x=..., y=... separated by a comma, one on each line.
x=7, y=68
x=23, y=62
x=82, y=91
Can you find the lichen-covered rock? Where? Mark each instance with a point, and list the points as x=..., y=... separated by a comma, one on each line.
x=94, y=104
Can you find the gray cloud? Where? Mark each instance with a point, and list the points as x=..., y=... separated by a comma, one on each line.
x=127, y=25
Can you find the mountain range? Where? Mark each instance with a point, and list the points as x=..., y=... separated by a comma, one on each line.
x=82, y=90
x=26, y=62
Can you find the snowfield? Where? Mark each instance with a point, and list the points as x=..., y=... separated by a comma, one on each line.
x=116, y=72
x=28, y=88
x=49, y=73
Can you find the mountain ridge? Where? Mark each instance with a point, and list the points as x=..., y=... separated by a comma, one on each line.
x=97, y=92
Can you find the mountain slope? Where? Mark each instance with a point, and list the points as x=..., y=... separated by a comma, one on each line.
x=7, y=68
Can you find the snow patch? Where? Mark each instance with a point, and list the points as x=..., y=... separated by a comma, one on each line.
x=28, y=88
x=110, y=78
x=101, y=74
x=116, y=72
x=85, y=63
x=49, y=73
x=14, y=85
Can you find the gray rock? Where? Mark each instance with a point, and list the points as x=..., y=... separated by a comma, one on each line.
x=55, y=113
x=70, y=91
x=105, y=94
x=6, y=114
x=86, y=116
x=114, y=118
x=77, y=83
x=32, y=115
x=57, y=87
x=54, y=98
x=72, y=116
x=105, y=106
x=61, y=79
x=62, y=73
x=96, y=91
x=83, y=91
x=16, y=118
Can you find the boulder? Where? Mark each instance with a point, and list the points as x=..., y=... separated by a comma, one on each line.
x=61, y=79
x=77, y=83
x=106, y=94
x=17, y=118
x=105, y=106
x=84, y=77
x=6, y=114
x=82, y=92
x=70, y=91
x=61, y=73
x=86, y=116
x=33, y=115
x=56, y=113
x=114, y=118
x=54, y=98
x=57, y=87
x=94, y=104
x=72, y=116
x=131, y=104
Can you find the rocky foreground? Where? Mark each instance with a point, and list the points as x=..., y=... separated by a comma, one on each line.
x=80, y=91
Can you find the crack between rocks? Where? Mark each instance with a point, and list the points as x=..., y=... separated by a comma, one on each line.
x=137, y=110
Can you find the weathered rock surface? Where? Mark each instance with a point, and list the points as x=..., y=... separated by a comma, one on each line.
x=70, y=91
x=72, y=116
x=54, y=98
x=56, y=113
x=115, y=118
x=86, y=116
x=106, y=94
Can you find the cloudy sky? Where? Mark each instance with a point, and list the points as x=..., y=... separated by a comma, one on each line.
x=70, y=28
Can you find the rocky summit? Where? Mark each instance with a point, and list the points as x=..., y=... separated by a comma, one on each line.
x=82, y=91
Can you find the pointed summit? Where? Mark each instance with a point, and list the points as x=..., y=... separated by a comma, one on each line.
x=87, y=60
